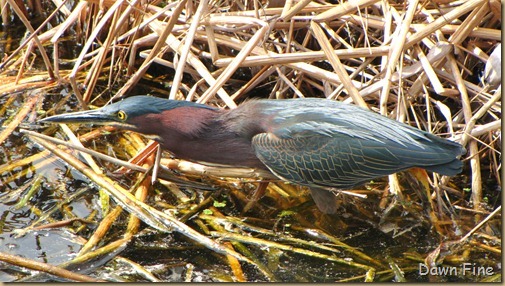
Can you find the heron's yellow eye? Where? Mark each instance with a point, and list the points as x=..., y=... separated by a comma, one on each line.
x=121, y=115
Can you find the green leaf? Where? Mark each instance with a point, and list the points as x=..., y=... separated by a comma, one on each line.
x=286, y=213
x=219, y=204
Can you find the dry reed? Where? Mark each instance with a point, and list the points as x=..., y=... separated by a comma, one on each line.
x=414, y=61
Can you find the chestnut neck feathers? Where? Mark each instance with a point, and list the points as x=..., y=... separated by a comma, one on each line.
x=202, y=134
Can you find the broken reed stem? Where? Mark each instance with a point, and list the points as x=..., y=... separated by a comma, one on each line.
x=397, y=47
x=29, y=27
x=20, y=116
x=337, y=64
x=101, y=230
x=162, y=37
x=188, y=42
x=44, y=267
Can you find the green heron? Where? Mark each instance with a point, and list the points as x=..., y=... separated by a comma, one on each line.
x=318, y=143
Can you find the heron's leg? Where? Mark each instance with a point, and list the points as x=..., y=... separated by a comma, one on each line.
x=325, y=200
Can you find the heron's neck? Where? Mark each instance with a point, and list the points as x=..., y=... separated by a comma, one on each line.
x=204, y=135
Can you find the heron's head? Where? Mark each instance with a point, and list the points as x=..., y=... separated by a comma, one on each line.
x=137, y=113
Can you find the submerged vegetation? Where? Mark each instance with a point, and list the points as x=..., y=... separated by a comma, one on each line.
x=83, y=199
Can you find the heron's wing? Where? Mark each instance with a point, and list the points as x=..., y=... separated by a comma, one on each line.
x=351, y=136
x=339, y=160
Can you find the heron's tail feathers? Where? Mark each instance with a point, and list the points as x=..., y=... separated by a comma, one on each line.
x=453, y=165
